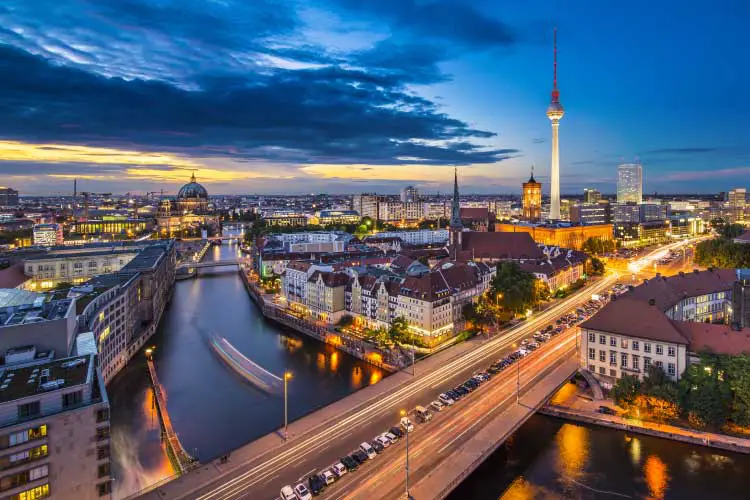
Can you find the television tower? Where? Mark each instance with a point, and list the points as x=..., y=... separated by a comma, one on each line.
x=555, y=113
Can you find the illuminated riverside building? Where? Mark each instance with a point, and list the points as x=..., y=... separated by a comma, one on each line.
x=111, y=225
x=664, y=322
x=188, y=213
x=54, y=411
x=564, y=235
x=532, y=199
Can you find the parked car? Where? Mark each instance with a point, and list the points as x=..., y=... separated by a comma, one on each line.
x=328, y=477
x=350, y=463
x=316, y=484
x=338, y=469
x=437, y=406
x=302, y=492
x=383, y=440
x=423, y=414
x=396, y=431
x=446, y=399
x=406, y=424
x=360, y=456
x=377, y=445
x=606, y=410
x=391, y=436
x=287, y=493
x=368, y=450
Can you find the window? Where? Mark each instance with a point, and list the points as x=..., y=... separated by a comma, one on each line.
x=38, y=472
x=646, y=347
x=635, y=345
x=659, y=364
x=603, y=339
x=671, y=369
x=104, y=469
x=29, y=410
x=19, y=458
x=592, y=337
x=104, y=488
x=602, y=356
x=102, y=433
x=636, y=363
x=592, y=353
x=32, y=494
x=613, y=341
x=671, y=351
x=602, y=370
x=646, y=363
x=612, y=372
x=612, y=358
x=102, y=452
x=21, y=478
x=659, y=349
x=592, y=368
x=624, y=343
x=102, y=415
x=623, y=359
x=72, y=399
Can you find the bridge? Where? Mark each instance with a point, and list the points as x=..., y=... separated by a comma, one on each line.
x=190, y=266
x=442, y=452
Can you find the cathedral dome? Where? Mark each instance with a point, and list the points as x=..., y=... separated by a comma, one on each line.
x=192, y=191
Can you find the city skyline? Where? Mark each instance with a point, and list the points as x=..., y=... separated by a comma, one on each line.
x=341, y=97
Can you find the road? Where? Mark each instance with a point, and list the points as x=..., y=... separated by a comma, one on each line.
x=314, y=448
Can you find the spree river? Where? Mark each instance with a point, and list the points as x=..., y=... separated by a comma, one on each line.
x=212, y=409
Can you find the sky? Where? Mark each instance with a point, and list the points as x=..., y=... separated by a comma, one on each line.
x=345, y=96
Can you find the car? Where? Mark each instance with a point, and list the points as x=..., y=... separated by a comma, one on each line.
x=287, y=493
x=328, y=477
x=377, y=445
x=606, y=410
x=391, y=437
x=383, y=440
x=302, y=492
x=338, y=469
x=446, y=399
x=350, y=463
x=360, y=456
x=453, y=394
x=396, y=431
x=406, y=424
x=316, y=484
x=368, y=450
x=437, y=406
x=533, y=345
x=423, y=414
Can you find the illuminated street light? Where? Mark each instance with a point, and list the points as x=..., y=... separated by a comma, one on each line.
x=287, y=377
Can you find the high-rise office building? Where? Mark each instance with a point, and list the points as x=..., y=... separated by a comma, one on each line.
x=48, y=234
x=555, y=112
x=532, y=199
x=737, y=202
x=630, y=183
x=591, y=195
x=409, y=194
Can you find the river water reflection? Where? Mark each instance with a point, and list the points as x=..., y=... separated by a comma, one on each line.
x=550, y=458
x=212, y=409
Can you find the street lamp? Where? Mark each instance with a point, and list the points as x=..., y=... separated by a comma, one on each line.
x=287, y=377
x=406, y=428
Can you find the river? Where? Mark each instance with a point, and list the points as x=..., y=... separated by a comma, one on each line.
x=212, y=409
x=550, y=458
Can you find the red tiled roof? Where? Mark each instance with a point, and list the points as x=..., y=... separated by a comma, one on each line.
x=476, y=213
x=634, y=318
x=516, y=246
x=721, y=339
x=668, y=291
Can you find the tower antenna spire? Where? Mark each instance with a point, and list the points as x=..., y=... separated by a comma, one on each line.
x=555, y=91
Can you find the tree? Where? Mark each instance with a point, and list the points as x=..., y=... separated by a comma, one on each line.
x=514, y=287
x=399, y=330
x=346, y=320
x=704, y=394
x=597, y=246
x=738, y=377
x=625, y=391
x=479, y=315
x=722, y=253
x=597, y=266
x=731, y=231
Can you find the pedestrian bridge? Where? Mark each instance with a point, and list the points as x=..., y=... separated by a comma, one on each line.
x=189, y=266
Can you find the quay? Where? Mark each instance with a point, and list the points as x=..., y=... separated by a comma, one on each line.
x=181, y=460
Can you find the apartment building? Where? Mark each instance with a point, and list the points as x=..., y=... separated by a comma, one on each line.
x=418, y=237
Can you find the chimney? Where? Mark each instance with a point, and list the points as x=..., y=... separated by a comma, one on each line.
x=652, y=302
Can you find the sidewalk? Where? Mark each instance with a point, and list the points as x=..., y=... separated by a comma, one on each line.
x=580, y=409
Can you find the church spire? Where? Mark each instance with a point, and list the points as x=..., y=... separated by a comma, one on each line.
x=456, y=206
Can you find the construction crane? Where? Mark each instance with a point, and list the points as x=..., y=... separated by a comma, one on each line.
x=86, y=195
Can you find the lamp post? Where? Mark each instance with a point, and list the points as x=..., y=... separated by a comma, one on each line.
x=287, y=377
x=408, y=496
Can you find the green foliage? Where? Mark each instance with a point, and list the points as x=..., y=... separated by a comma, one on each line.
x=738, y=377
x=722, y=253
x=517, y=287
x=731, y=231
x=480, y=315
x=596, y=266
x=399, y=330
x=597, y=246
x=625, y=390
x=704, y=393
x=345, y=320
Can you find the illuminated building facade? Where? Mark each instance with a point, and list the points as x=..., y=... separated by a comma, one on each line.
x=48, y=235
x=555, y=112
x=109, y=225
x=532, y=199
x=630, y=183
x=570, y=236
x=188, y=213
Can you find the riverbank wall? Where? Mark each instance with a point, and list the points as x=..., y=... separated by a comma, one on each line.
x=352, y=346
x=707, y=439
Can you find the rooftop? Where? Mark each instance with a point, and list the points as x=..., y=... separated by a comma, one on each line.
x=42, y=309
x=24, y=381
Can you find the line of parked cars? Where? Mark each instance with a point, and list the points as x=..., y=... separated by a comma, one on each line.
x=366, y=451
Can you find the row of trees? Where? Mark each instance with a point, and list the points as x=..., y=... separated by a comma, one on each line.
x=722, y=253
x=709, y=394
x=598, y=246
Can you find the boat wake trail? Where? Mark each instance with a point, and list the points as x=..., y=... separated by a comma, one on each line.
x=247, y=369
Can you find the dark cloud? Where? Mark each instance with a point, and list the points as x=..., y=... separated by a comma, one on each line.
x=538, y=140
x=679, y=151
x=324, y=115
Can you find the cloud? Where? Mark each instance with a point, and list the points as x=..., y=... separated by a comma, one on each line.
x=679, y=151
x=734, y=172
x=538, y=140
